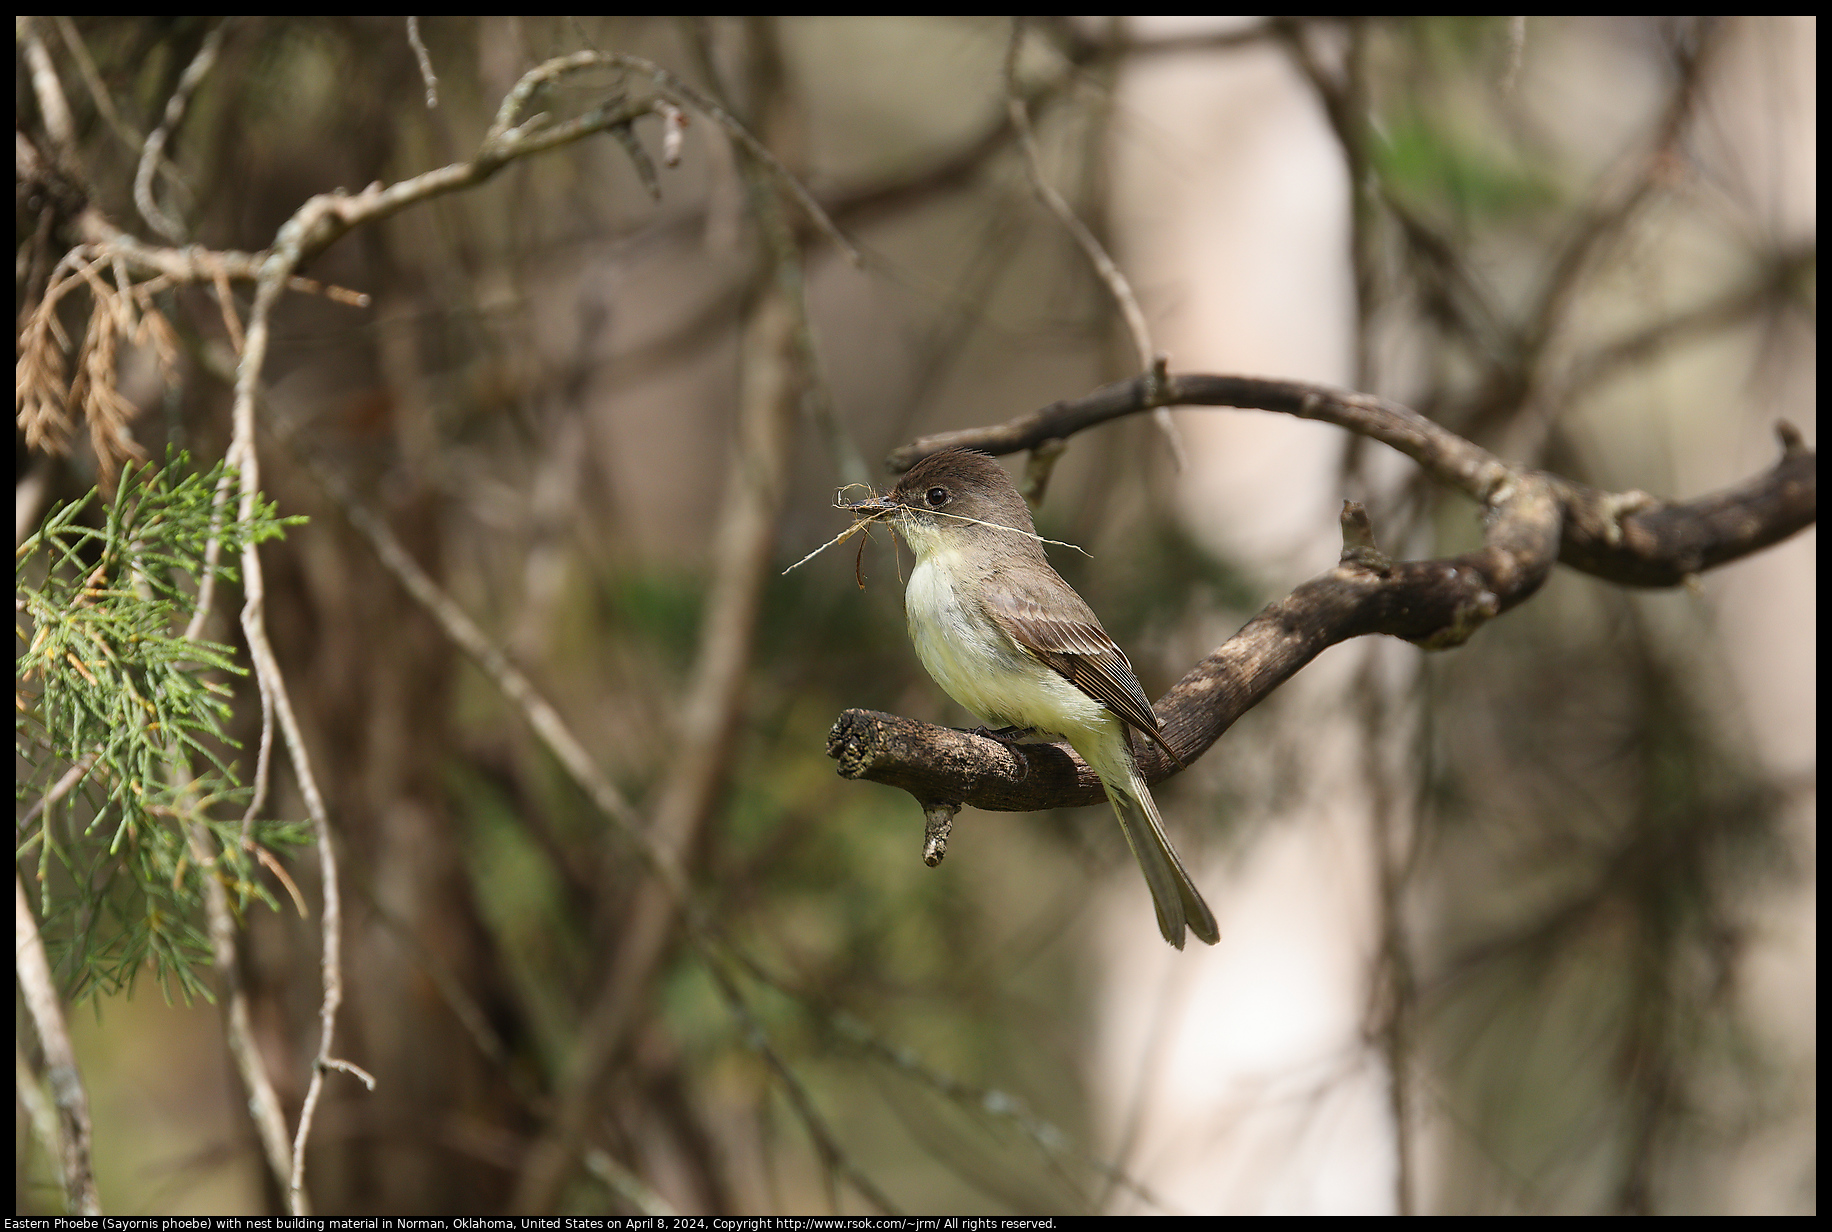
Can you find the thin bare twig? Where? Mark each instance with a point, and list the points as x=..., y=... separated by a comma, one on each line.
x=263, y=762
x=1773, y=281
x=59, y=789
x=757, y=149
x=504, y=126
x=66, y=1082
x=1634, y=183
x=1050, y=1141
x=1345, y=104
x=238, y=1025
x=1150, y=362
x=1645, y=171
x=243, y=456
x=1392, y=993
x=190, y=264
x=52, y=105
x=834, y=1156
x=509, y=679
x=213, y=554
x=92, y=80
x=154, y=150
x=1104, y=265
x=425, y=61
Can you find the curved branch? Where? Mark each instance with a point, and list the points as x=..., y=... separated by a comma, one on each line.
x=1629, y=538
x=1532, y=521
x=152, y=154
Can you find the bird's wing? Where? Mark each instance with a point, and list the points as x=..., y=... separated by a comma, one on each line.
x=1082, y=652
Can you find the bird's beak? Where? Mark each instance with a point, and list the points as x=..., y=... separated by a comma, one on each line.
x=876, y=507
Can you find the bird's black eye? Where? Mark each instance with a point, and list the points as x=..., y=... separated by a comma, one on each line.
x=937, y=497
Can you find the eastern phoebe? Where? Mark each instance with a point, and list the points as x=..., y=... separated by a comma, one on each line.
x=1012, y=642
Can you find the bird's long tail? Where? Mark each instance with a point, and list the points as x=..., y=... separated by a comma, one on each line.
x=1172, y=892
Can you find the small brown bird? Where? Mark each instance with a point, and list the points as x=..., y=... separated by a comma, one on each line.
x=1008, y=639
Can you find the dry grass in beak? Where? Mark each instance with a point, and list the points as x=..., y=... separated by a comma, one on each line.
x=876, y=509
x=864, y=514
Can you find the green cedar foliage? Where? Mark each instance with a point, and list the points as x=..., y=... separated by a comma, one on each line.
x=107, y=681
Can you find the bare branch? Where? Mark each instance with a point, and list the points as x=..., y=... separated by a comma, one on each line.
x=1629, y=538
x=425, y=62
x=1532, y=521
x=49, y=92
x=191, y=264
x=509, y=680
x=835, y=1158
x=1049, y=1140
x=1345, y=104
x=66, y=1081
x=238, y=1025
x=154, y=150
x=92, y=81
x=1104, y=266
x=1150, y=362
x=681, y=93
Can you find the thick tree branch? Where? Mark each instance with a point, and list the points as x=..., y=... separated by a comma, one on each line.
x=1532, y=521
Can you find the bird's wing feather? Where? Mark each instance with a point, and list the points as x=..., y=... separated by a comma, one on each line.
x=1082, y=652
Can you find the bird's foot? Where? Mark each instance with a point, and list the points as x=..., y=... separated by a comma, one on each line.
x=1011, y=738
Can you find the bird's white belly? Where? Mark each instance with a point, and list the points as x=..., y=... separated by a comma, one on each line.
x=981, y=667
